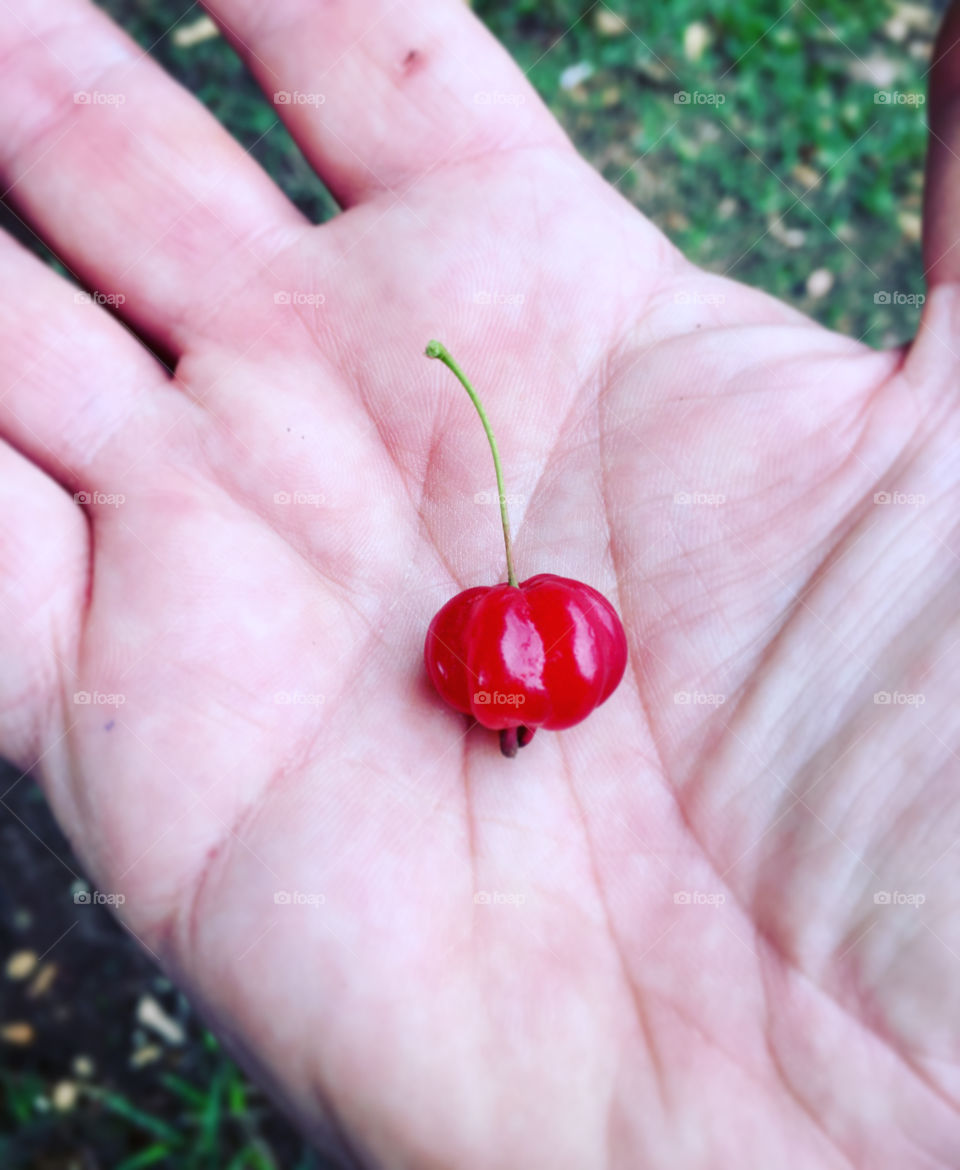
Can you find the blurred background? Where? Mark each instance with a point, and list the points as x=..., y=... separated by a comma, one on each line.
x=779, y=143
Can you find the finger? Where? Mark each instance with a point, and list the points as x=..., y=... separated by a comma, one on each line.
x=42, y=582
x=378, y=93
x=941, y=220
x=131, y=182
x=78, y=394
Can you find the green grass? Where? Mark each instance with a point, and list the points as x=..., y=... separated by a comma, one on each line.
x=730, y=181
x=212, y=1119
x=797, y=169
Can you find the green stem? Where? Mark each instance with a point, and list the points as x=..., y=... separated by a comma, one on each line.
x=436, y=350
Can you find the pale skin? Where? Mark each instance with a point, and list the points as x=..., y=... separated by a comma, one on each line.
x=681, y=961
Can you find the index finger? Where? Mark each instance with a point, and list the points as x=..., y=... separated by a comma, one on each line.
x=128, y=178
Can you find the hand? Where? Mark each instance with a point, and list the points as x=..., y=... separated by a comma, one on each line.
x=683, y=958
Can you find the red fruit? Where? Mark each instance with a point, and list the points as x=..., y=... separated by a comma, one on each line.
x=541, y=653
x=544, y=653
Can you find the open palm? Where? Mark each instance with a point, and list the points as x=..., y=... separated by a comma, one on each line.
x=711, y=925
